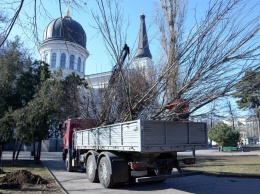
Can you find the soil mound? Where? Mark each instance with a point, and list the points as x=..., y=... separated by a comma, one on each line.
x=16, y=180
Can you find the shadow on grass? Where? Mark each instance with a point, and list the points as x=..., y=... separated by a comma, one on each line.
x=21, y=164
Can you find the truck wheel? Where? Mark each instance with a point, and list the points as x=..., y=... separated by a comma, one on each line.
x=91, y=171
x=63, y=156
x=68, y=164
x=105, y=178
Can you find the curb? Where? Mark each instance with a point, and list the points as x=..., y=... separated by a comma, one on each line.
x=231, y=175
x=56, y=180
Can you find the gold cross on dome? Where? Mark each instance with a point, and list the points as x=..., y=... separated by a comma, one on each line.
x=68, y=12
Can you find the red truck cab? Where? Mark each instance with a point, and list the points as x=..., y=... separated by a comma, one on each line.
x=70, y=126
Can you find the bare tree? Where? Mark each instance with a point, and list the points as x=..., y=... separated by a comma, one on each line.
x=115, y=97
x=231, y=113
x=9, y=27
x=206, y=62
x=3, y=20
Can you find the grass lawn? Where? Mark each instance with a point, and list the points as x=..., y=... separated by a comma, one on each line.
x=245, y=166
x=37, y=169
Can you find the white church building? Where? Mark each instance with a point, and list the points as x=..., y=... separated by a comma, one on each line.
x=64, y=47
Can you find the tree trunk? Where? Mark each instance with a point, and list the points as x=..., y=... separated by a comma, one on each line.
x=14, y=152
x=3, y=145
x=38, y=152
x=33, y=152
x=18, y=151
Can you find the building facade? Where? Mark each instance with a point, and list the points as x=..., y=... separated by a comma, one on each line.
x=64, y=46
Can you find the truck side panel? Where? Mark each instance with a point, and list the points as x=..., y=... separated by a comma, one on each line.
x=124, y=136
x=172, y=133
x=177, y=133
x=198, y=134
x=161, y=136
x=144, y=136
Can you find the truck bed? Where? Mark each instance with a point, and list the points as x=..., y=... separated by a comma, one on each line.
x=144, y=136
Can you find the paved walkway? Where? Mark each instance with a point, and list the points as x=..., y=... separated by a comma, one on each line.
x=215, y=152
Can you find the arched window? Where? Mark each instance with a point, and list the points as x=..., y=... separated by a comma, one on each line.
x=46, y=58
x=62, y=60
x=79, y=64
x=72, y=62
x=53, y=60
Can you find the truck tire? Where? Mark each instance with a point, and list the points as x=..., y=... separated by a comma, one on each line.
x=68, y=164
x=104, y=169
x=91, y=171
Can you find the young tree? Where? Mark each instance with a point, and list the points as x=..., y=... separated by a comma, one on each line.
x=206, y=62
x=6, y=127
x=14, y=61
x=47, y=100
x=112, y=25
x=38, y=115
x=32, y=121
x=200, y=65
x=224, y=135
x=19, y=89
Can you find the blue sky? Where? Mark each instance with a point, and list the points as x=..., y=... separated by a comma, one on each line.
x=98, y=60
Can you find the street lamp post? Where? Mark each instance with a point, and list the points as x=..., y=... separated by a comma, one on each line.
x=257, y=118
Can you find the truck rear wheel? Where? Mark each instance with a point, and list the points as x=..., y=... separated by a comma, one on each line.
x=104, y=169
x=91, y=169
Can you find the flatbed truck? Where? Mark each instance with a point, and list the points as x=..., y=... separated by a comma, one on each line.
x=139, y=150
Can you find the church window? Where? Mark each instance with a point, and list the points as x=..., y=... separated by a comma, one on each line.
x=79, y=64
x=72, y=62
x=46, y=58
x=63, y=60
x=53, y=60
